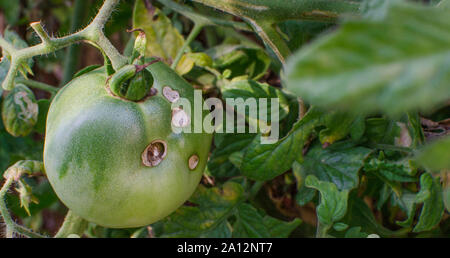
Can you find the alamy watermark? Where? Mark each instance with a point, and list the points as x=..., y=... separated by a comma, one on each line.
x=235, y=115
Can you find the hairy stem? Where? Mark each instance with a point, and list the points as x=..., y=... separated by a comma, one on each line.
x=73, y=224
x=194, y=33
x=38, y=85
x=93, y=33
x=11, y=226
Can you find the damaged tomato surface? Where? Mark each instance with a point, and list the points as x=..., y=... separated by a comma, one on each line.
x=116, y=162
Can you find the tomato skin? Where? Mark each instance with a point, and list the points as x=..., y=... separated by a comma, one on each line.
x=93, y=148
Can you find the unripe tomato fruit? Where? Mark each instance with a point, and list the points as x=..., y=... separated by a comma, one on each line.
x=116, y=162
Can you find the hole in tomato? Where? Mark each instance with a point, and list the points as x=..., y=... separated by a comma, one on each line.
x=193, y=162
x=154, y=153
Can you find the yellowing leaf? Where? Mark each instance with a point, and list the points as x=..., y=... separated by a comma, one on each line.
x=163, y=40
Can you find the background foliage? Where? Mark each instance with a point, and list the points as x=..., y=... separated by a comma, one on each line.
x=364, y=89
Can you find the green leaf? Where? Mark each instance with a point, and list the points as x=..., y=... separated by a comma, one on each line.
x=355, y=232
x=265, y=161
x=392, y=171
x=435, y=155
x=226, y=144
x=263, y=16
x=433, y=205
x=188, y=60
x=208, y=218
x=360, y=215
x=338, y=164
x=280, y=229
x=205, y=15
x=299, y=32
x=338, y=126
x=249, y=89
x=23, y=167
x=304, y=194
x=380, y=130
x=163, y=40
x=358, y=128
x=333, y=203
x=406, y=202
x=340, y=226
x=20, y=111
x=249, y=223
x=368, y=66
x=240, y=60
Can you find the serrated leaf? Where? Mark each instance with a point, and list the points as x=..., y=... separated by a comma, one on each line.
x=392, y=171
x=208, y=218
x=433, y=204
x=20, y=111
x=249, y=223
x=280, y=229
x=338, y=164
x=333, y=203
x=266, y=161
x=226, y=144
x=360, y=215
x=368, y=66
x=24, y=167
x=163, y=40
x=26, y=196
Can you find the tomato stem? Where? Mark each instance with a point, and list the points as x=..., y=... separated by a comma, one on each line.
x=11, y=226
x=73, y=224
x=38, y=85
x=93, y=34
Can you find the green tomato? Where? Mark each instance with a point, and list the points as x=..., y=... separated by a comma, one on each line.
x=116, y=162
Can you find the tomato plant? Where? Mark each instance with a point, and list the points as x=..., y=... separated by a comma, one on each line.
x=225, y=118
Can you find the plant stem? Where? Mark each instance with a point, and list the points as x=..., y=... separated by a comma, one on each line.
x=11, y=226
x=71, y=58
x=38, y=85
x=93, y=33
x=194, y=33
x=73, y=224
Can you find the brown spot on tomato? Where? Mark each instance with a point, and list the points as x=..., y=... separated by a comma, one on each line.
x=193, y=162
x=155, y=152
